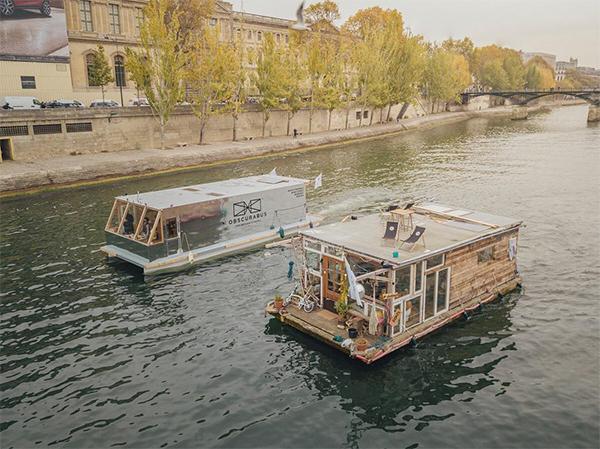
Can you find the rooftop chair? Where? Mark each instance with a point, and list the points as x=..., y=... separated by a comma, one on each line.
x=412, y=240
x=391, y=231
x=409, y=206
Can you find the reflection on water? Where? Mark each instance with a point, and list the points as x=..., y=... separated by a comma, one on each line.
x=94, y=355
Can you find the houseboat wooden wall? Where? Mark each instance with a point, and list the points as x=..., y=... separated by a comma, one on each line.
x=470, y=278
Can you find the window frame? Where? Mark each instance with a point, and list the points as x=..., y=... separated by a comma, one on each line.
x=121, y=75
x=86, y=20
x=114, y=12
x=28, y=82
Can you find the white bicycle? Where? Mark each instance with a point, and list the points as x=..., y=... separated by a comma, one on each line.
x=306, y=301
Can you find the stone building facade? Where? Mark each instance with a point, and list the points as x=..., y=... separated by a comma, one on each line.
x=115, y=24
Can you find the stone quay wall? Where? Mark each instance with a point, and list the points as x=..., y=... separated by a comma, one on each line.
x=47, y=133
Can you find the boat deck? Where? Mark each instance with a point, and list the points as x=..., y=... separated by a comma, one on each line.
x=323, y=325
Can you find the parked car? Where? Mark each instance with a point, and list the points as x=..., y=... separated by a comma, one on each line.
x=64, y=104
x=141, y=101
x=8, y=7
x=20, y=102
x=104, y=104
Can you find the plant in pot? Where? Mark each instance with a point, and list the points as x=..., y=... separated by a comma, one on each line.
x=341, y=305
x=278, y=302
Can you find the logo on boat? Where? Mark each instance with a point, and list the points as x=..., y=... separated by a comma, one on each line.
x=247, y=211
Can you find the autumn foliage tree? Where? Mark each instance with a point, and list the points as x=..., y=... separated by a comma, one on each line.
x=158, y=66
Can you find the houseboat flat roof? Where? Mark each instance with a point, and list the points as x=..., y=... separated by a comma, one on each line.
x=181, y=196
x=445, y=227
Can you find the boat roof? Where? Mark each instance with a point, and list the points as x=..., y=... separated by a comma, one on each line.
x=445, y=228
x=181, y=196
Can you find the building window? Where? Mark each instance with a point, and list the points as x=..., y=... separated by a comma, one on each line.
x=85, y=15
x=89, y=64
x=120, y=71
x=366, y=114
x=114, y=19
x=358, y=114
x=249, y=35
x=28, y=82
x=259, y=36
x=485, y=255
x=139, y=19
x=278, y=37
x=287, y=38
x=212, y=22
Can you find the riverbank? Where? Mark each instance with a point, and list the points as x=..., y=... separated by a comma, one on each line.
x=20, y=177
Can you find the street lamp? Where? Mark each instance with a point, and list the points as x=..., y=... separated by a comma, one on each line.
x=120, y=73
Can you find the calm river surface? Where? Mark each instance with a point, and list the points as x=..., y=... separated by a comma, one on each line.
x=93, y=355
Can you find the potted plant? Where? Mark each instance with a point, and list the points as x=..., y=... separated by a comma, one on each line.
x=278, y=302
x=361, y=344
x=341, y=307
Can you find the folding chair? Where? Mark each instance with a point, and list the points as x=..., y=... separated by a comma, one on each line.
x=416, y=235
x=391, y=231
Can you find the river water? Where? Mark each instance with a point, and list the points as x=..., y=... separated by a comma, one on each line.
x=94, y=355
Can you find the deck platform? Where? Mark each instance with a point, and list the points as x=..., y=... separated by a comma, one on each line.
x=323, y=325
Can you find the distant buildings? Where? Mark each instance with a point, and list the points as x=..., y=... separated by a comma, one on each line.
x=549, y=58
x=563, y=66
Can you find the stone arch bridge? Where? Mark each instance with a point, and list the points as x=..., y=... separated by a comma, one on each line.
x=523, y=97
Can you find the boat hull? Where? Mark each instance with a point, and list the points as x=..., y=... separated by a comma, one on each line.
x=187, y=259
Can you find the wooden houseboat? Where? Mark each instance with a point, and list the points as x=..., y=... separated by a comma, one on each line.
x=172, y=229
x=382, y=281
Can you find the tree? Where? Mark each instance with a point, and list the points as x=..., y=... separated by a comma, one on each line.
x=366, y=21
x=321, y=15
x=539, y=75
x=498, y=68
x=328, y=81
x=211, y=75
x=192, y=16
x=515, y=71
x=99, y=72
x=158, y=66
x=446, y=75
x=269, y=78
x=294, y=75
x=463, y=47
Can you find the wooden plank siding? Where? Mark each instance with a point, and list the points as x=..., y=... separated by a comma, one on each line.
x=470, y=278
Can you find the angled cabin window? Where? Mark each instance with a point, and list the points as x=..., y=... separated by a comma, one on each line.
x=434, y=262
x=313, y=260
x=442, y=291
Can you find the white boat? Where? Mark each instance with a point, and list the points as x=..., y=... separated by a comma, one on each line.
x=170, y=230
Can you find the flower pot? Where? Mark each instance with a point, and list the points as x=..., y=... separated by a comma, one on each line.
x=361, y=344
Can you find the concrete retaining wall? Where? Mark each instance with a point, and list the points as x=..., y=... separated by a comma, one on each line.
x=42, y=134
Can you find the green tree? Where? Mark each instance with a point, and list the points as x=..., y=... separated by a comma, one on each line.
x=269, y=78
x=294, y=76
x=99, y=72
x=446, y=75
x=211, y=76
x=158, y=66
x=515, y=71
x=539, y=75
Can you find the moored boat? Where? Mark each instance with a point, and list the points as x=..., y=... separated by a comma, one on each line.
x=172, y=229
x=373, y=284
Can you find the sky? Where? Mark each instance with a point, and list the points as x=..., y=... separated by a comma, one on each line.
x=565, y=28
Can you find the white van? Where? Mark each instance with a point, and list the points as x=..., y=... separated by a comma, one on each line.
x=20, y=103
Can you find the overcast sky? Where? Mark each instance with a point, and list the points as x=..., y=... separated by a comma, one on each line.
x=561, y=27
